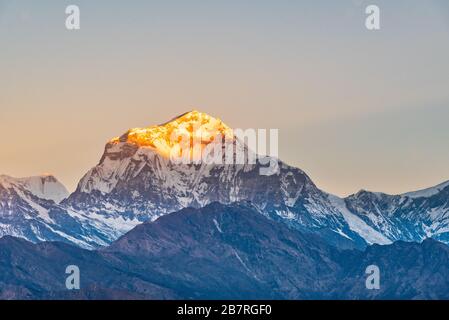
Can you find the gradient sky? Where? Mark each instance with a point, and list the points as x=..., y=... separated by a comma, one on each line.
x=356, y=109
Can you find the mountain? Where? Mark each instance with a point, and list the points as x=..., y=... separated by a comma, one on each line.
x=149, y=172
x=137, y=181
x=44, y=187
x=222, y=252
x=412, y=216
x=30, y=209
x=26, y=207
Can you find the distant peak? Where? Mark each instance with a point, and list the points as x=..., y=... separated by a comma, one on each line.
x=44, y=186
x=164, y=137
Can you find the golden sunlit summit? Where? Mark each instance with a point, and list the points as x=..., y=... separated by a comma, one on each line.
x=191, y=126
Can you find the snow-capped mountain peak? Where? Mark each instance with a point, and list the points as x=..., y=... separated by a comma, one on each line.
x=31, y=208
x=427, y=192
x=185, y=137
x=44, y=186
x=167, y=138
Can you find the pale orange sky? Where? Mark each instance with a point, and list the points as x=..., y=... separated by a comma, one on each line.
x=355, y=109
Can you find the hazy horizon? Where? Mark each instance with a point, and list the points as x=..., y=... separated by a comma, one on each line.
x=355, y=109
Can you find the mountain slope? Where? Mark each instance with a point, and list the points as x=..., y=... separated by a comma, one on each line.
x=37, y=271
x=218, y=250
x=408, y=271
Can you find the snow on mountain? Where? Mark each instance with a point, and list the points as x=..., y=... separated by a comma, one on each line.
x=425, y=193
x=140, y=145
x=44, y=186
x=413, y=216
x=357, y=225
x=29, y=209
